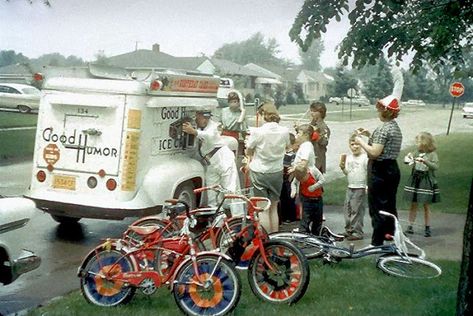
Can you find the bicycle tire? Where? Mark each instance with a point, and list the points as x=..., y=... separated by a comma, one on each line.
x=288, y=283
x=219, y=298
x=408, y=267
x=101, y=291
x=311, y=246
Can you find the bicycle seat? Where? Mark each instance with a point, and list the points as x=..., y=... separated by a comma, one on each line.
x=326, y=232
x=144, y=230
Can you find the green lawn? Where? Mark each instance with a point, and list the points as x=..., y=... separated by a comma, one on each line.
x=15, y=145
x=454, y=176
x=354, y=287
x=12, y=119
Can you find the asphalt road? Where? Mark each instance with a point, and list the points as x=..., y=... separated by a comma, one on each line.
x=62, y=249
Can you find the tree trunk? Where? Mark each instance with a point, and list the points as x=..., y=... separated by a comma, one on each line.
x=465, y=295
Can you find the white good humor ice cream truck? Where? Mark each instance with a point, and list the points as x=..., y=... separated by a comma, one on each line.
x=111, y=146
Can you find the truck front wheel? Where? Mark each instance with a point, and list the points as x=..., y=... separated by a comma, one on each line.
x=65, y=220
x=185, y=192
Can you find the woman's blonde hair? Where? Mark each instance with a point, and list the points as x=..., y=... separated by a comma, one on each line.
x=426, y=142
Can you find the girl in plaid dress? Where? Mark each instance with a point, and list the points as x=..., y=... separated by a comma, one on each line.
x=422, y=186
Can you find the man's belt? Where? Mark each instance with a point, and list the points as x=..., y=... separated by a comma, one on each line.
x=206, y=159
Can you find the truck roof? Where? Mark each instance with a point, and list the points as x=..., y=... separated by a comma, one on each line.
x=106, y=79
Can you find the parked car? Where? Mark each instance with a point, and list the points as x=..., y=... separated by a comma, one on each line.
x=226, y=84
x=356, y=100
x=360, y=100
x=15, y=214
x=18, y=96
x=468, y=110
x=414, y=103
x=336, y=100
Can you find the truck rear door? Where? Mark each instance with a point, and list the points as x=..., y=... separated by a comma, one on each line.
x=81, y=132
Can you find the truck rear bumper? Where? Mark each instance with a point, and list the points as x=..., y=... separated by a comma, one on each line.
x=85, y=211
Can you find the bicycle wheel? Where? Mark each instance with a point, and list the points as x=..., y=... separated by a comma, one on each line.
x=408, y=267
x=288, y=277
x=104, y=291
x=311, y=246
x=215, y=290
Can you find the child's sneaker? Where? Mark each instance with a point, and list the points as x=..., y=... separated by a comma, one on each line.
x=409, y=230
x=428, y=233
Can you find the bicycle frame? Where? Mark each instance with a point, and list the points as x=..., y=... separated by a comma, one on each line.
x=220, y=223
x=399, y=246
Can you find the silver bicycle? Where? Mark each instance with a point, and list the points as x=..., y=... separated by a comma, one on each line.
x=401, y=257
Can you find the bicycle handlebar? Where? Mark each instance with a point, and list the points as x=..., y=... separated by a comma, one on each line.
x=215, y=187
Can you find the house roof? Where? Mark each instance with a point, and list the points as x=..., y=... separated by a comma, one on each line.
x=150, y=58
x=317, y=76
x=190, y=63
x=143, y=58
x=268, y=73
x=229, y=67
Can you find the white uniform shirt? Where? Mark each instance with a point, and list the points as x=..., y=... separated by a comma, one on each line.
x=356, y=169
x=269, y=143
x=210, y=137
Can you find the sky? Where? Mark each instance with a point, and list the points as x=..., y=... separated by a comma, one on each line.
x=182, y=27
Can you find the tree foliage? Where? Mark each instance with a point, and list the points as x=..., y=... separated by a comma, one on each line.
x=56, y=59
x=343, y=80
x=10, y=57
x=437, y=32
x=311, y=58
x=380, y=83
x=253, y=50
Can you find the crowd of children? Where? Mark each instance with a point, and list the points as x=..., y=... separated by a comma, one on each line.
x=304, y=164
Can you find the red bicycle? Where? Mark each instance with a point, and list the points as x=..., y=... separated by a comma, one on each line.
x=202, y=282
x=278, y=271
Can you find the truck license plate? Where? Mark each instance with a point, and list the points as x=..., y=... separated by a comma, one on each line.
x=64, y=182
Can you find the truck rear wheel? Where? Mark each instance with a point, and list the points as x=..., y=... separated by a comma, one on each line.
x=65, y=220
x=185, y=192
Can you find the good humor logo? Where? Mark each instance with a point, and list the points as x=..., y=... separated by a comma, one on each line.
x=78, y=142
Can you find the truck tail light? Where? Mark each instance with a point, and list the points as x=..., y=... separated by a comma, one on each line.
x=92, y=182
x=111, y=184
x=41, y=176
x=155, y=85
